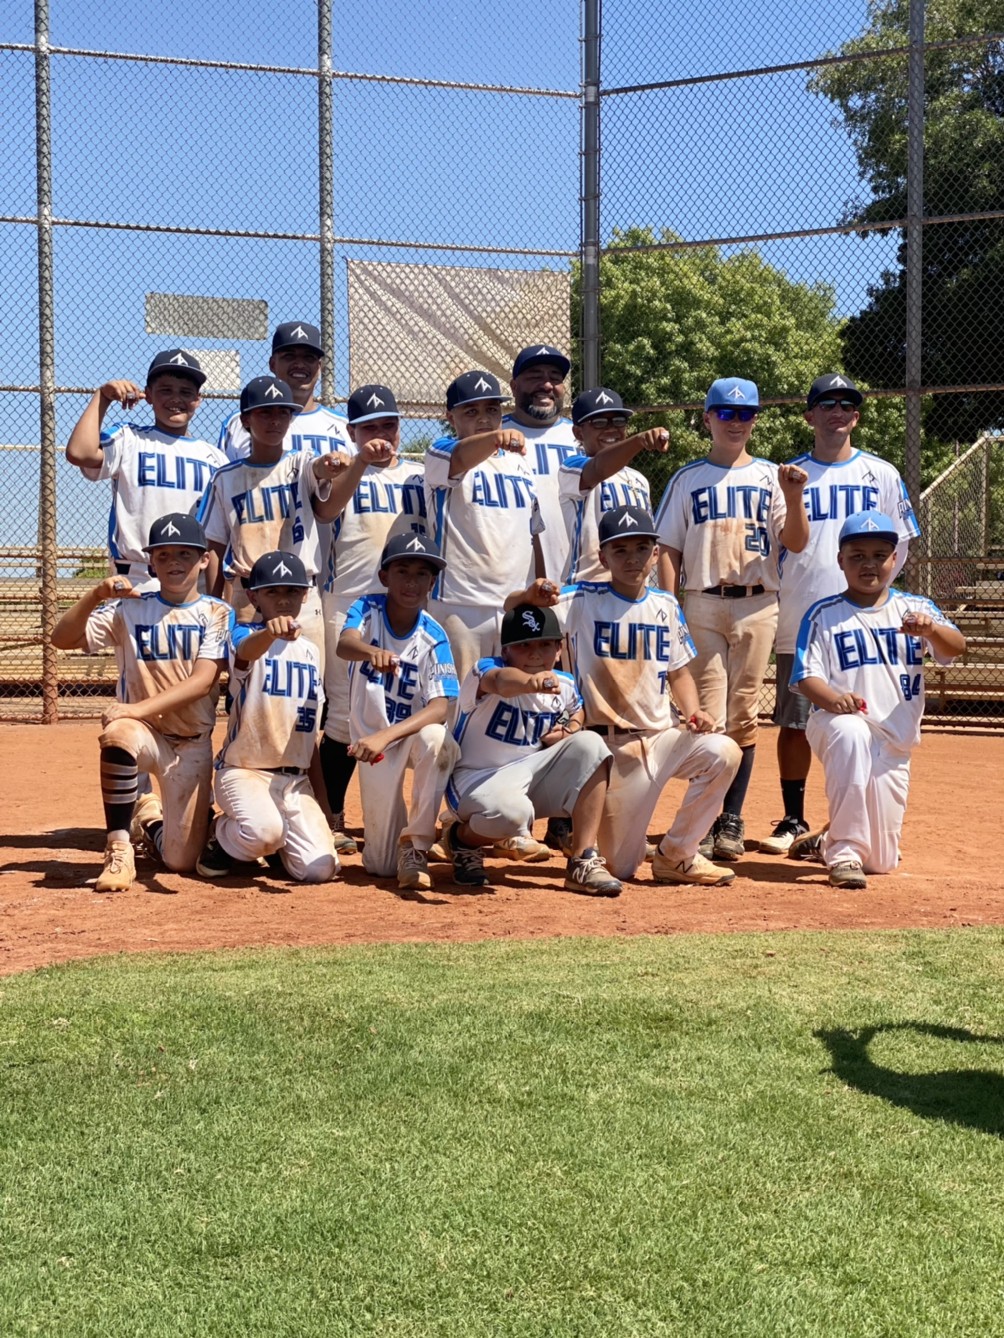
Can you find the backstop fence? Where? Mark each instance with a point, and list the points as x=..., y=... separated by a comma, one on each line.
x=767, y=190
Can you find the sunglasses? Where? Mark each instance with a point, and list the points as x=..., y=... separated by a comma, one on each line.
x=830, y=403
x=727, y=415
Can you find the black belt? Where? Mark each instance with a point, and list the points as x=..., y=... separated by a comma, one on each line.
x=123, y=568
x=733, y=591
x=612, y=731
x=286, y=771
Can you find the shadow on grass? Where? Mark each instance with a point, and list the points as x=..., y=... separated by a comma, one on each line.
x=973, y=1098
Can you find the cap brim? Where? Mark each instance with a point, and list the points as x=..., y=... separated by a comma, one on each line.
x=299, y=343
x=189, y=373
x=475, y=399
x=272, y=404
x=598, y=413
x=561, y=362
x=438, y=562
x=177, y=543
x=372, y=417
x=629, y=534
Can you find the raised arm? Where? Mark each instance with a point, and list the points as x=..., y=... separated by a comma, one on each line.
x=84, y=447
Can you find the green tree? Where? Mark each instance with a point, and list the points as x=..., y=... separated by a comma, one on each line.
x=963, y=263
x=673, y=321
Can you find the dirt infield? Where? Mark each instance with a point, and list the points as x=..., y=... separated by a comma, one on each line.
x=53, y=842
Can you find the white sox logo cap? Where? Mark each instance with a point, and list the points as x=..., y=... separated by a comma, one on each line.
x=527, y=622
x=277, y=568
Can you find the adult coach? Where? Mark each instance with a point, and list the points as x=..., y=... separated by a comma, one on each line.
x=539, y=386
x=843, y=481
x=297, y=358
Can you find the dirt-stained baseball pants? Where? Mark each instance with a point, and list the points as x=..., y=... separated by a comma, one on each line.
x=266, y=811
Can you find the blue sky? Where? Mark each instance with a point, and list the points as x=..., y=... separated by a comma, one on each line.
x=139, y=143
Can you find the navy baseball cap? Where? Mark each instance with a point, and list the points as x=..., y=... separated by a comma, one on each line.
x=527, y=622
x=473, y=386
x=277, y=568
x=599, y=400
x=297, y=334
x=267, y=392
x=370, y=402
x=412, y=545
x=627, y=521
x=177, y=528
x=526, y=357
x=868, y=525
x=832, y=383
x=732, y=392
x=179, y=362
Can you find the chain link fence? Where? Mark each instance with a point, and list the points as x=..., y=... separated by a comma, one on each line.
x=769, y=190
x=791, y=189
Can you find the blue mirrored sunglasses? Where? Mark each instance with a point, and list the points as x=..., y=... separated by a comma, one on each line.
x=744, y=415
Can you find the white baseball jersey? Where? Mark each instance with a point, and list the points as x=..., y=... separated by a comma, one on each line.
x=622, y=652
x=425, y=668
x=153, y=473
x=862, y=650
x=483, y=523
x=387, y=501
x=546, y=450
x=276, y=708
x=253, y=509
x=157, y=646
x=581, y=512
x=726, y=522
x=317, y=432
x=834, y=492
x=497, y=730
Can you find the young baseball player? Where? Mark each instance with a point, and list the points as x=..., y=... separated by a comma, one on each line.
x=269, y=502
x=154, y=470
x=842, y=482
x=524, y=754
x=722, y=523
x=262, y=783
x=859, y=664
x=297, y=358
x=481, y=501
x=171, y=645
x=629, y=648
x=401, y=684
x=539, y=386
x=377, y=496
x=599, y=476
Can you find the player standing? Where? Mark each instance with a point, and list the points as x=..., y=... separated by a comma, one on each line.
x=842, y=482
x=171, y=646
x=154, y=471
x=859, y=665
x=262, y=782
x=722, y=522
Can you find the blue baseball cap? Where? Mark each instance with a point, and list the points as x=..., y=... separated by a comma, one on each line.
x=371, y=402
x=868, y=525
x=415, y=545
x=473, y=386
x=297, y=334
x=179, y=362
x=177, y=528
x=277, y=568
x=267, y=392
x=627, y=521
x=732, y=392
x=526, y=357
x=599, y=400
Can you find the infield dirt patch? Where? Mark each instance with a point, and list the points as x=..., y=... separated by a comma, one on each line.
x=54, y=839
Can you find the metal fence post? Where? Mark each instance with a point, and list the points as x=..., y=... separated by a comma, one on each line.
x=589, y=241
x=46, y=364
x=326, y=195
x=914, y=245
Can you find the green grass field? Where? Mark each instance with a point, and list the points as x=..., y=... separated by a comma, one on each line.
x=794, y=1134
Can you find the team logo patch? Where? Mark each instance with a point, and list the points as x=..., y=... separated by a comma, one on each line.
x=280, y=569
x=531, y=621
x=179, y=360
x=481, y=384
x=274, y=393
x=299, y=333
x=604, y=398
x=374, y=401
x=735, y=394
x=171, y=528
x=627, y=522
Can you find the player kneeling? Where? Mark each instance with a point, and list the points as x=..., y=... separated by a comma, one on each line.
x=262, y=784
x=859, y=661
x=171, y=646
x=401, y=684
x=525, y=755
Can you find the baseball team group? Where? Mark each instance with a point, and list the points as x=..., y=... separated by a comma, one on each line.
x=508, y=620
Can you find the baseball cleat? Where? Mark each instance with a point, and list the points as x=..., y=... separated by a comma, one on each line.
x=214, y=862
x=118, y=873
x=521, y=848
x=412, y=869
x=730, y=832
x=809, y=846
x=780, y=841
x=848, y=874
x=707, y=846
x=697, y=870
x=148, y=809
x=468, y=861
x=343, y=843
x=587, y=874
x=559, y=835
